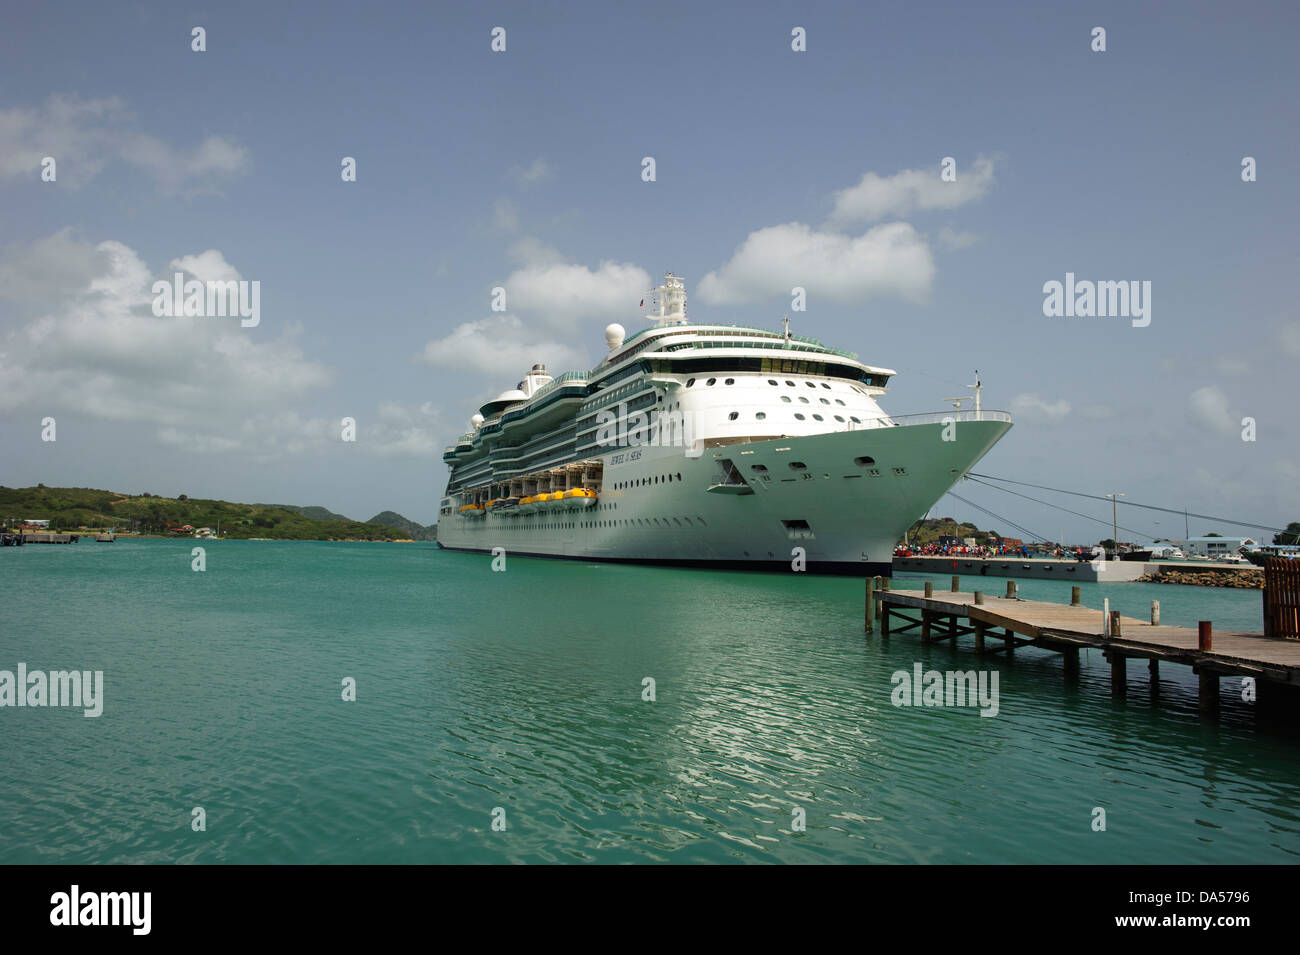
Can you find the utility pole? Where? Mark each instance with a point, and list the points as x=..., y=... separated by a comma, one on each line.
x=1114, y=517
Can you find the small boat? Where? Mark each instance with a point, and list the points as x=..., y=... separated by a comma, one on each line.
x=579, y=497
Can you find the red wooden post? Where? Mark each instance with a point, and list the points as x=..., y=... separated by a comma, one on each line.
x=1203, y=633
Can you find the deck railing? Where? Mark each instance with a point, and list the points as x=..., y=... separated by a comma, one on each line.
x=939, y=417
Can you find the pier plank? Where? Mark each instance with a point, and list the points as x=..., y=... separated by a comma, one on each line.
x=1064, y=626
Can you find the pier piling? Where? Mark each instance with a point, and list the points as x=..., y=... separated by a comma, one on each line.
x=1155, y=613
x=1075, y=596
x=1273, y=662
x=956, y=584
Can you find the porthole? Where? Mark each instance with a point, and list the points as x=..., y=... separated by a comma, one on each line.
x=839, y=401
x=839, y=419
x=799, y=416
x=689, y=382
x=798, y=466
x=819, y=417
x=771, y=381
x=803, y=399
x=864, y=461
x=855, y=420
x=761, y=415
x=730, y=381
x=825, y=401
x=810, y=384
x=733, y=416
x=785, y=398
x=712, y=381
x=826, y=386
x=789, y=382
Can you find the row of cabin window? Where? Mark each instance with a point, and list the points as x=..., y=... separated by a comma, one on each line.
x=642, y=482
x=761, y=415
x=690, y=382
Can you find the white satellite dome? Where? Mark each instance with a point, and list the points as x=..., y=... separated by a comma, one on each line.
x=514, y=394
x=614, y=335
x=476, y=421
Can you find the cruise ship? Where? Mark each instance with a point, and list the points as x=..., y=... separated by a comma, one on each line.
x=706, y=445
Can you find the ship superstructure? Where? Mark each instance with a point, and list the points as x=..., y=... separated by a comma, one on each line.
x=709, y=445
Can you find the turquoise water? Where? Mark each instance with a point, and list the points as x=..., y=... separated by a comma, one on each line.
x=523, y=690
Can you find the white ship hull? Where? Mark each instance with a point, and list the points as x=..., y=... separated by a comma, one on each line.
x=846, y=516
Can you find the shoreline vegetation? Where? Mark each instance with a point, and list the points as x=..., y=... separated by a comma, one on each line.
x=87, y=510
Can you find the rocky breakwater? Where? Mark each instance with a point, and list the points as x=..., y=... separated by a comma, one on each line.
x=1249, y=579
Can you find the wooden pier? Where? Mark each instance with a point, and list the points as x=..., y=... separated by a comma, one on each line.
x=1003, y=623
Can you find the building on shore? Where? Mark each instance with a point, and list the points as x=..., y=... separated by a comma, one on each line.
x=1211, y=547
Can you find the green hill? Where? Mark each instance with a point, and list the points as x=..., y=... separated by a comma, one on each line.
x=929, y=531
x=312, y=513
x=413, y=530
x=72, y=508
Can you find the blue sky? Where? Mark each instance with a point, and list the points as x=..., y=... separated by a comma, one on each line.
x=522, y=169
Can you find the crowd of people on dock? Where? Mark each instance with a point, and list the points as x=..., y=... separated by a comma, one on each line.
x=979, y=550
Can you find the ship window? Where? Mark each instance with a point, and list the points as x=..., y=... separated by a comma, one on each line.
x=855, y=420
x=761, y=415
x=785, y=398
x=799, y=416
x=798, y=466
x=790, y=383
x=771, y=381
x=825, y=402
x=810, y=384
x=679, y=475
x=730, y=381
x=839, y=418
x=864, y=460
x=839, y=401
x=712, y=381
x=803, y=399
x=689, y=382
x=819, y=417
x=733, y=416
x=759, y=467
x=826, y=386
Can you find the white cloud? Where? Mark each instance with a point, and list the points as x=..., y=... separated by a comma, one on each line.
x=498, y=346
x=505, y=218
x=84, y=135
x=953, y=240
x=1030, y=407
x=877, y=197
x=536, y=171
x=1208, y=406
x=98, y=350
x=890, y=259
x=564, y=293
x=1289, y=335
x=209, y=266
